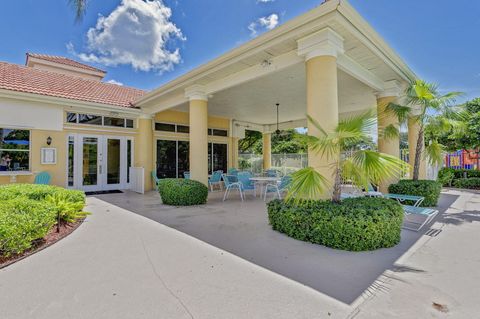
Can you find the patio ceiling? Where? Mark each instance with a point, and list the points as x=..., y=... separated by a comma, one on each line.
x=254, y=101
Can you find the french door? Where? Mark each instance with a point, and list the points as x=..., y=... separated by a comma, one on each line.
x=97, y=162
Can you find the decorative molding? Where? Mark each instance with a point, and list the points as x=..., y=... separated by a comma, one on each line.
x=391, y=89
x=196, y=92
x=325, y=42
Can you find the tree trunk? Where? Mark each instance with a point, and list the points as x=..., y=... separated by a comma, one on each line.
x=337, y=186
x=418, y=155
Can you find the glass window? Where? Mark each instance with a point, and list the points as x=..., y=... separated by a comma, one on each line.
x=14, y=150
x=113, y=121
x=219, y=157
x=90, y=161
x=183, y=158
x=165, y=127
x=89, y=119
x=129, y=158
x=129, y=123
x=71, y=160
x=166, y=159
x=183, y=129
x=71, y=117
x=219, y=132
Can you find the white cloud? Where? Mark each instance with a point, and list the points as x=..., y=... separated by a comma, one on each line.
x=112, y=81
x=136, y=33
x=265, y=1
x=263, y=23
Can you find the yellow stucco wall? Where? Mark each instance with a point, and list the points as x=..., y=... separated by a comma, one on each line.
x=38, y=139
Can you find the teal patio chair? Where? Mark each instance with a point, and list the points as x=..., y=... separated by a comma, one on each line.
x=232, y=171
x=186, y=175
x=231, y=182
x=246, y=183
x=278, y=188
x=42, y=178
x=155, y=179
x=215, y=179
x=271, y=173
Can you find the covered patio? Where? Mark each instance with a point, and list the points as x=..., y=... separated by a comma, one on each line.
x=242, y=229
x=328, y=64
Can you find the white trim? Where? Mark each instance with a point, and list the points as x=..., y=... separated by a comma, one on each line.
x=391, y=89
x=99, y=73
x=325, y=42
x=196, y=92
x=352, y=68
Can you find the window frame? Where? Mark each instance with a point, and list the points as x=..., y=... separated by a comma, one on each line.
x=102, y=116
x=29, y=151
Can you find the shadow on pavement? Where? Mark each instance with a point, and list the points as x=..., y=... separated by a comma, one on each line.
x=242, y=229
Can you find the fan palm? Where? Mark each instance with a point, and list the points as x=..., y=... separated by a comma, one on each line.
x=360, y=166
x=80, y=7
x=422, y=103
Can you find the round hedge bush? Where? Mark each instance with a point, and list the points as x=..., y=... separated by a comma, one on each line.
x=182, y=192
x=356, y=224
x=426, y=188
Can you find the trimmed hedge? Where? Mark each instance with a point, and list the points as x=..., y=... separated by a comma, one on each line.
x=182, y=192
x=426, y=188
x=459, y=173
x=468, y=183
x=23, y=221
x=356, y=224
x=28, y=212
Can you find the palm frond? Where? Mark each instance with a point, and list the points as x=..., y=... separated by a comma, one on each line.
x=434, y=153
x=307, y=183
x=377, y=166
x=389, y=132
x=80, y=7
x=402, y=112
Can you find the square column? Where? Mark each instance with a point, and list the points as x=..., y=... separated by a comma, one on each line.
x=267, y=150
x=413, y=132
x=390, y=146
x=198, y=133
x=144, y=149
x=320, y=51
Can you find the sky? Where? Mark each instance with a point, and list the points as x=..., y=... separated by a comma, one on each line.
x=145, y=44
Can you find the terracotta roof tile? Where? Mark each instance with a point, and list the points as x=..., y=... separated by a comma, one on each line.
x=63, y=60
x=19, y=78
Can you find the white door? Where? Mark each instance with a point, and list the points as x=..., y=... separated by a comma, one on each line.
x=97, y=162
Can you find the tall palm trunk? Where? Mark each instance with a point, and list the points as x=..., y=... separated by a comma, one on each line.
x=337, y=186
x=418, y=154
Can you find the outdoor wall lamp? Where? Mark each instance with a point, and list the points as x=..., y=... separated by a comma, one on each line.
x=49, y=141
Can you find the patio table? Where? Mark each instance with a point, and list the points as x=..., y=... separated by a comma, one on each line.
x=263, y=181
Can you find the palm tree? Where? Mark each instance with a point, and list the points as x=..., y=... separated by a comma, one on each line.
x=361, y=166
x=422, y=103
x=80, y=7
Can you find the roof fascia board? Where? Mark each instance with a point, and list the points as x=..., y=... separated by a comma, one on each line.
x=360, y=28
x=252, y=47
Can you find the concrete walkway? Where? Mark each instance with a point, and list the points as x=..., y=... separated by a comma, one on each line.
x=121, y=265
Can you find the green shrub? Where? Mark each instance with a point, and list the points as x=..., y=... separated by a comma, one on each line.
x=38, y=192
x=446, y=177
x=459, y=173
x=469, y=183
x=65, y=209
x=426, y=188
x=23, y=221
x=182, y=192
x=357, y=224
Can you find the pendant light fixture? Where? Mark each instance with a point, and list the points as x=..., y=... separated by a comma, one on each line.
x=278, y=130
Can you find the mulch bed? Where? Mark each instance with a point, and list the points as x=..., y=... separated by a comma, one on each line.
x=51, y=238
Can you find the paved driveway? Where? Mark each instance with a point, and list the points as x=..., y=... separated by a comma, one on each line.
x=242, y=228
